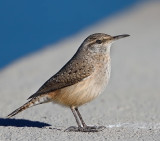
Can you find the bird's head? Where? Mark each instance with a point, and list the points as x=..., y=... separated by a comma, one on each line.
x=100, y=42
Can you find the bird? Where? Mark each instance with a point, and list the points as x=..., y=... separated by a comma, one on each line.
x=79, y=81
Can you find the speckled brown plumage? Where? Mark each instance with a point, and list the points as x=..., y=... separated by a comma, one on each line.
x=73, y=72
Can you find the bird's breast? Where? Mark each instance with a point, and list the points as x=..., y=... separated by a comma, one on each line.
x=87, y=89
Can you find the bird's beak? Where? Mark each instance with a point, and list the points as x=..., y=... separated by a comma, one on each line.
x=120, y=36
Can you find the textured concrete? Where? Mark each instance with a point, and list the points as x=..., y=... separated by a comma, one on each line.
x=129, y=107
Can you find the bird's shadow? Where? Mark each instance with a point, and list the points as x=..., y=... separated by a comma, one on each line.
x=22, y=123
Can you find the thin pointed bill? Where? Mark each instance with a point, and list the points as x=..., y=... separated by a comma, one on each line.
x=120, y=36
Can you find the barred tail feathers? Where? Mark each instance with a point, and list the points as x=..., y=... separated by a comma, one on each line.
x=34, y=101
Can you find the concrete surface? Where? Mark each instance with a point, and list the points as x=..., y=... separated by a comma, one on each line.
x=129, y=107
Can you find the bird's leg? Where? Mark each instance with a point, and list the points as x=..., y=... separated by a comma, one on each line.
x=73, y=128
x=75, y=115
x=86, y=128
x=80, y=117
x=83, y=127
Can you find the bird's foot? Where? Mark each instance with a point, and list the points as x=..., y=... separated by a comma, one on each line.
x=91, y=128
x=85, y=129
x=72, y=129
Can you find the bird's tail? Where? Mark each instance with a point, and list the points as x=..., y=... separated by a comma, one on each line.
x=34, y=101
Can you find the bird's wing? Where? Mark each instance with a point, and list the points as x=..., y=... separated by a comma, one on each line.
x=73, y=72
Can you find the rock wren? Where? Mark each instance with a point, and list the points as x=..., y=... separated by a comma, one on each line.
x=81, y=80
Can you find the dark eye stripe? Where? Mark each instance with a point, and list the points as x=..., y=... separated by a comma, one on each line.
x=98, y=41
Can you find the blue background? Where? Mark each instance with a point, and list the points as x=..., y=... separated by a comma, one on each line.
x=28, y=25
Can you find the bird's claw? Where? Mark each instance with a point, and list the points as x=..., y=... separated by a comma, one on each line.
x=85, y=129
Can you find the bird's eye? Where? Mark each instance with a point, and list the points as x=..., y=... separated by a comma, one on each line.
x=98, y=41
